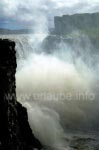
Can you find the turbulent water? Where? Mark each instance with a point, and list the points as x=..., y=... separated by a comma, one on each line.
x=60, y=90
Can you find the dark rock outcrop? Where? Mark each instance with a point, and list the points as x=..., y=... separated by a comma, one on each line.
x=15, y=132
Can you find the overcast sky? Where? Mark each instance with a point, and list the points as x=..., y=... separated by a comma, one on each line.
x=24, y=13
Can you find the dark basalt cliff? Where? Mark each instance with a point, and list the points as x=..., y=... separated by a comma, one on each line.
x=15, y=132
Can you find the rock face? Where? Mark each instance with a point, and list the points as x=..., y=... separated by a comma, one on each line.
x=77, y=29
x=15, y=132
x=68, y=23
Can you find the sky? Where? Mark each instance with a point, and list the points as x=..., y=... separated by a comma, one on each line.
x=17, y=14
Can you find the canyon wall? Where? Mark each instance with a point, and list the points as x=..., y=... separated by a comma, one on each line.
x=15, y=132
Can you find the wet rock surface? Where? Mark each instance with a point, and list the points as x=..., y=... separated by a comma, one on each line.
x=15, y=132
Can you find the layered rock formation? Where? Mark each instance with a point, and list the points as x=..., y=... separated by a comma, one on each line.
x=15, y=132
x=77, y=29
x=84, y=22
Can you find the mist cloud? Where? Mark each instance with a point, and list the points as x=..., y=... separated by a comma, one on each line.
x=50, y=73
